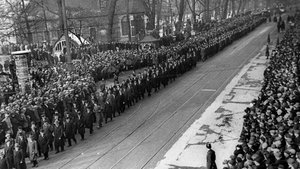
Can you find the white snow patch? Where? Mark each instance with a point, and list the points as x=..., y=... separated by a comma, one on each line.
x=222, y=129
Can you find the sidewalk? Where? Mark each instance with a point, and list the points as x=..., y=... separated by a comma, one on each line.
x=222, y=122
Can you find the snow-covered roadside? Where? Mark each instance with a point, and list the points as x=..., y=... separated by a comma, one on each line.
x=221, y=123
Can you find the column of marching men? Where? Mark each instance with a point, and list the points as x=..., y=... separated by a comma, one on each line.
x=50, y=116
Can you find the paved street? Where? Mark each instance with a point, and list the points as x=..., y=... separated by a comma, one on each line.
x=141, y=136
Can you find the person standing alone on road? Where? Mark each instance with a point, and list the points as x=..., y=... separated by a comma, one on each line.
x=210, y=158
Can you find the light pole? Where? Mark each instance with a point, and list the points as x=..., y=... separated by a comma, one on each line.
x=67, y=55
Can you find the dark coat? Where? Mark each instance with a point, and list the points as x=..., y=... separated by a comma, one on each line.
x=9, y=154
x=58, y=135
x=108, y=110
x=3, y=164
x=69, y=129
x=80, y=124
x=19, y=160
x=211, y=160
x=43, y=142
x=88, y=120
x=48, y=132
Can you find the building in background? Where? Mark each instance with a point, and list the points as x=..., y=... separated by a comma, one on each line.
x=87, y=20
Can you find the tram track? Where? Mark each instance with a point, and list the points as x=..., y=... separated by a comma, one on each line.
x=169, y=95
x=173, y=100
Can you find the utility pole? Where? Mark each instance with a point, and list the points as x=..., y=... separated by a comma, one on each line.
x=67, y=55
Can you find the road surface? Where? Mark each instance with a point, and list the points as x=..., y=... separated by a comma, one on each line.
x=141, y=136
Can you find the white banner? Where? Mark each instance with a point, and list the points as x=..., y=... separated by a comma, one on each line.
x=22, y=70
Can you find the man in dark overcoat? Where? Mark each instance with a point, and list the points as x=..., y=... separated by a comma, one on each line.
x=44, y=144
x=107, y=111
x=88, y=120
x=80, y=124
x=19, y=158
x=58, y=136
x=210, y=158
x=69, y=131
x=9, y=151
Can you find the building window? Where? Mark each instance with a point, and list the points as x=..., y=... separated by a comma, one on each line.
x=124, y=26
x=102, y=3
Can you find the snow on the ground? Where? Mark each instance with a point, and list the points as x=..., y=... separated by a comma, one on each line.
x=220, y=124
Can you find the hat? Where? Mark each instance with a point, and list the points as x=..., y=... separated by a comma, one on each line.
x=231, y=162
x=292, y=151
x=277, y=143
x=240, y=156
x=232, y=157
x=208, y=145
x=264, y=145
x=291, y=161
x=277, y=153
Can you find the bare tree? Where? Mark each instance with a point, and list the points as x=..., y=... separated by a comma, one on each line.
x=60, y=14
x=239, y=7
x=233, y=7
x=22, y=23
x=128, y=20
x=192, y=7
x=225, y=11
x=158, y=16
x=181, y=9
x=150, y=7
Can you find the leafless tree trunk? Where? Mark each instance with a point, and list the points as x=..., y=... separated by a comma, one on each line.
x=150, y=12
x=225, y=11
x=47, y=38
x=192, y=7
x=152, y=20
x=255, y=5
x=233, y=7
x=60, y=14
x=180, y=15
x=268, y=3
x=239, y=7
x=111, y=15
x=29, y=33
x=207, y=10
x=158, y=16
x=217, y=9
x=244, y=5
x=128, y=20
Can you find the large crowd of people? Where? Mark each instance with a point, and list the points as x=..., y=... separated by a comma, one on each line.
x=270, y=136
x=64, y=103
